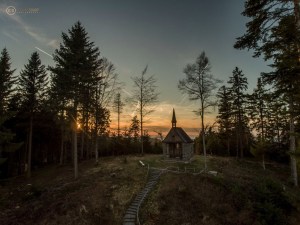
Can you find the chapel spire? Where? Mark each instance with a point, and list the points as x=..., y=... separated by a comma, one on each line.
x=174, y=119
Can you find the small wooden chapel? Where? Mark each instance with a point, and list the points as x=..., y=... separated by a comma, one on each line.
x=177, y=144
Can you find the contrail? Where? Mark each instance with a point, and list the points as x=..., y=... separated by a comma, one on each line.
x=44, y=52
x=126, y=92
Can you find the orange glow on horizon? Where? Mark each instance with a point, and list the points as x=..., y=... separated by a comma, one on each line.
x=160, y=120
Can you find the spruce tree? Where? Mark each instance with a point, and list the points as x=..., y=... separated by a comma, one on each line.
x=33, y=88
x=258, y=112
x=7, y=81
x=258, y=109
x=273, y=31
x=75, y=77
x=238, y=86
x=224, y=118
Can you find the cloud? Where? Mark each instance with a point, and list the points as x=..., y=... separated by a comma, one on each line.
x=127, y=92
x=11, y=36
x=54, y=43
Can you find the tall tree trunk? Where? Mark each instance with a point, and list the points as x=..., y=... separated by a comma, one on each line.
x=203, y=138
x=87, y=140
x=74, y=134
x=142, y=141
x=292, y=126
x=228, y=146
x=96, y=141
x=237, y=141
x=61, y=158
x=119, y=120
x=262, y=137
x=96, y=125
x=293, y=150
x=82, y=144
x=96, y=148
x=293, y=145
x=241, y=134
x=297, y=13
x=263, y=161
x=30, y=145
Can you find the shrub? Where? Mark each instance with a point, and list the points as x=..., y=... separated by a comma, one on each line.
x=271, y=205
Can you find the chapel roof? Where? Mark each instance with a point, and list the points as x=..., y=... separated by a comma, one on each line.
x=177, y=135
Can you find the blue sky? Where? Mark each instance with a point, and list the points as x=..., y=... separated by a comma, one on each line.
x=165, y=35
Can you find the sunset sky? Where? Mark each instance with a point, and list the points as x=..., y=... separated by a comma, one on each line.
x=163, y=34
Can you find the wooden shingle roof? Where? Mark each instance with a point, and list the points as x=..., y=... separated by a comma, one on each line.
x=177, y=135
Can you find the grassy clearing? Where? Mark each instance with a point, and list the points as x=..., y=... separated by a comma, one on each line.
x=52, y=196
x=241, y=193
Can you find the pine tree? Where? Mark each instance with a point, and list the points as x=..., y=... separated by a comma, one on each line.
x=7, y=81
x=238, y=85
x=277, y=117
x=265, y=17
x=75, y=76
x=7, y=145
x=273, y=30
x=33, y=88
x=258, y=112
x=258, y=109
x=224, y=118
x=134, y=128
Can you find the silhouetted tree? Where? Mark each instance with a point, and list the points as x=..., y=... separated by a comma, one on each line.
x=118, y=107
x=76, y=67
x=144, y=96
x=134, y=128
x=7, y=80
x=224, y=118
x=258, y=112
x=238, y=86
x=33, y=88
x=199, y=84
x=105, y=89
x=273, y=30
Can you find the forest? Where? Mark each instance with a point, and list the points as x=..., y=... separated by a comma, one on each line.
x=46, y=111
x=61, y=114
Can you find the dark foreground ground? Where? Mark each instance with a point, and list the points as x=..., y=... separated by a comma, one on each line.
x=241, y=193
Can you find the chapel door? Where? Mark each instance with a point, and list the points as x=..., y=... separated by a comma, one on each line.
x=172, y=150
x=178, y=150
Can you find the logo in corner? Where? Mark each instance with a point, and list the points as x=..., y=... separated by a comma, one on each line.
x=10, y=10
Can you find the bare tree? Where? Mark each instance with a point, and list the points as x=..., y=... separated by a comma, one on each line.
x=118, y=107
x=144, y=96
x=106, y=86
x=199, y=85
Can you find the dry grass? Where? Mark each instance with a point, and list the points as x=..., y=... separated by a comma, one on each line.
x=103, y=192
x=99, y=196
x=242, y=193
